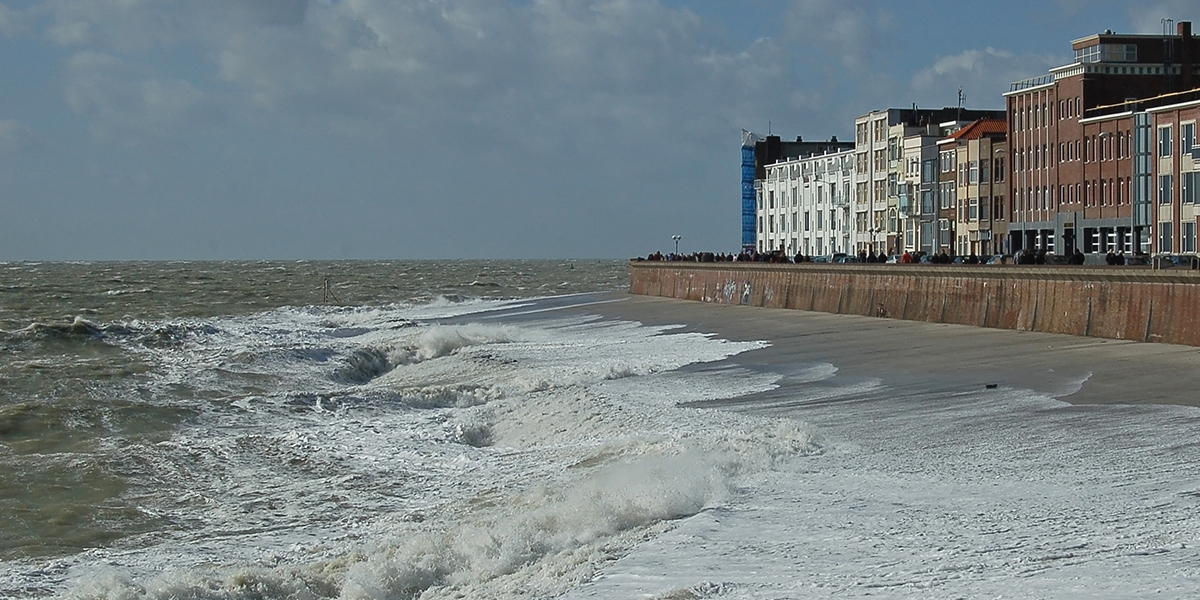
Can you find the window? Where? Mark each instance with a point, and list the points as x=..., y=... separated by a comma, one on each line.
x=760, y=227
x=947, y=159
x=1187, y=237
x=807, y=224
x=1164, y=141
x=984, y=171
x=820, y=219
x=973, y=172
x=1189, y=187
x=1164, y=237
x=998, y=169
x=929, y=171
x=1164, y=189
x=1187, y=137
x=974, y=210
x=860, y=134
x=771, y=199
x=948, y=192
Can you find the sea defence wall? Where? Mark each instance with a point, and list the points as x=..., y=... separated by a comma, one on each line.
x=1125, y=303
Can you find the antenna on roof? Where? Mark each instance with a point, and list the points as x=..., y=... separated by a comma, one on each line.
x=961, y=98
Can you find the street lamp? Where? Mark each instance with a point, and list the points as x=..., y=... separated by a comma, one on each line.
x=874, y=232
x=677, y=238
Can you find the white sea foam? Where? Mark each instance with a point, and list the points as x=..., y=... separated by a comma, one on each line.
x=351, y=453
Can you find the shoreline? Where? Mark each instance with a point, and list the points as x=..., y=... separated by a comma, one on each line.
x=916, y=354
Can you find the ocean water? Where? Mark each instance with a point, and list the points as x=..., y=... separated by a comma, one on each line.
x=229, y=430
x=477, y=430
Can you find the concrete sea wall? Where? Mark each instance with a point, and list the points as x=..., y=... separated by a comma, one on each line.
x=1124, y=303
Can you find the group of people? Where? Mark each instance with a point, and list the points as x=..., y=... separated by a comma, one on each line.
x=1117, y=259
x=1025, y=257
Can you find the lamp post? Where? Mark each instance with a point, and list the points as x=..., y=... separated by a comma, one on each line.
x=677, y=238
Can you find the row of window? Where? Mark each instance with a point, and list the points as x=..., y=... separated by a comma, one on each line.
x=1042, y=114
x=1189, y=188
x=810, y=247
x=818, y=196
x=1093, y=193
x=780, y=222
x=879, y=129
x=1187, y=236
x=1187, y=139
x=980, y=209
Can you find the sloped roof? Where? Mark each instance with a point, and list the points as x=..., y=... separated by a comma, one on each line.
x=980, y=128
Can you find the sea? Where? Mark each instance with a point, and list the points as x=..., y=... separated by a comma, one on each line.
x=482, y=429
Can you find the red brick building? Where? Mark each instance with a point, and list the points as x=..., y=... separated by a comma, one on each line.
x=1074, y=177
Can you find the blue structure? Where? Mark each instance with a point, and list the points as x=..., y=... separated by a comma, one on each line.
x=748, y=202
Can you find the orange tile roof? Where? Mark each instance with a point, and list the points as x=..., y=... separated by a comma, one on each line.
x=979, y=129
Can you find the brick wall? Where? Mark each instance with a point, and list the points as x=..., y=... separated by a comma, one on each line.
x=1117, y=303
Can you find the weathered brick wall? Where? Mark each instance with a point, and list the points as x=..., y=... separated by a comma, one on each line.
x=1109, y=302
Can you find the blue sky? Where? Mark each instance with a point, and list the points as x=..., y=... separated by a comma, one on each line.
x=322, y=129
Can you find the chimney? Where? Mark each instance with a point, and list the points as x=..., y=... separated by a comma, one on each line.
x=1186, y=55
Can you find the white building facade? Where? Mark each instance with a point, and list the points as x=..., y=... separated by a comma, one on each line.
x=804, y=206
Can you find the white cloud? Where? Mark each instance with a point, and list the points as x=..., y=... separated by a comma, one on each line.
x=984, y=75
x=12, y=23
x=1147, y=18
x=852, y=32
x=14, y=137
x=130, y=106
x=459, y=67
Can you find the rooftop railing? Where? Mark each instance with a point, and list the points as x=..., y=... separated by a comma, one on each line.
x=1032, y=82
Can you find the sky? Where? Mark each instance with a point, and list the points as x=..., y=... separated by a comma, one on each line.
x=410, y=129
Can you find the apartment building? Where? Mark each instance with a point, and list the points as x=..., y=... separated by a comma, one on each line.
x=887, y=217
x=980, y=158
x=804, y=205
x=1081, y=173
x=757, y=154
